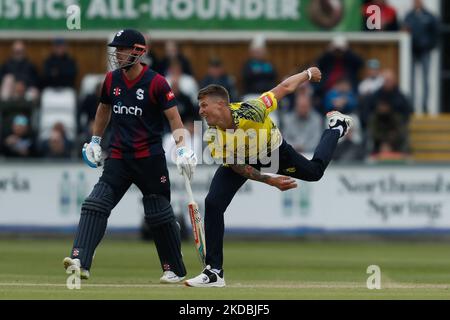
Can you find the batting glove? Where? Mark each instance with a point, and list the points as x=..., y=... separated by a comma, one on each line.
x=186, y=161
x=92, y=153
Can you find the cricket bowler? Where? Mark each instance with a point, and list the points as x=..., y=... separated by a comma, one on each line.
x=225, y=120
x=135, y=99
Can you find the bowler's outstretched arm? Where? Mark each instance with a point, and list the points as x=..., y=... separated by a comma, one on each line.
x=290, y=84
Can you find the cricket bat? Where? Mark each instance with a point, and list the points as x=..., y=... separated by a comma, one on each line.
x=197, y=223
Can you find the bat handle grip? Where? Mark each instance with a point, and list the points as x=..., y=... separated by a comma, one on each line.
x=187, y=184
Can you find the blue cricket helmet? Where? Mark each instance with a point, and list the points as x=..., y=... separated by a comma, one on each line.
x=127, y=38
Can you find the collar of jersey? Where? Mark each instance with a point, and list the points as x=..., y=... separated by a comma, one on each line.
x=131, y=83
x=235, y=118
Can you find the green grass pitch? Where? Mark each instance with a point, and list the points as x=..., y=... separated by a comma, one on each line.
x=32, y=269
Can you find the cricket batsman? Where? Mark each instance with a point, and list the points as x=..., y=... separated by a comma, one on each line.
x=225, y=120
x=135, y=99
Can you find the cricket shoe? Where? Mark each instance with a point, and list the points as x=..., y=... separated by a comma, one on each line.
x=207, y=278
x=72, y=265
x=337, y=119
x=170, y=277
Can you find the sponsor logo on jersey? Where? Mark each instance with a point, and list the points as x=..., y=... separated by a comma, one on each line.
x=117, y=91
x=140, y=94
x=267, y=101
x=121, y=109
x=170, y=95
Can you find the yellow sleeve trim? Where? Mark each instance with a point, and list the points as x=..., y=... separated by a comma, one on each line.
x=269, y=100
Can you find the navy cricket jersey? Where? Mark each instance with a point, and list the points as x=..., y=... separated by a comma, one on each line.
x=137, y=119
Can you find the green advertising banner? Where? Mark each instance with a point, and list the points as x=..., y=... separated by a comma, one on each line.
x=276, y=15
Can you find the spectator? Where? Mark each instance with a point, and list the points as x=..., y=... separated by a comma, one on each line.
x=337, y=63
x=388, y=154
x=391, y=94
x=186, y=83
x=57, y=145
x=387, y=128
x=370, y=84
x=19, y=90
x=259, y=75
x=288, y=102
x=389, y=21
x=60, y=70
x=341, y=97
x=185, y=106
x=88, y=109
x=424, y=28
x=18, y=76
x=150, y=58
x=303, y=128
x=85, y=119
x=373, y=80
x=173, y=53
x=20, y=142
x=217, y=75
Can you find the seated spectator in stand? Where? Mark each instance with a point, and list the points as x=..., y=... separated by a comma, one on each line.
x=57, y=145
x=88, y=109
x=18, y=71
x=150, y=58
x=172, y=52
x=20, y=142
x=185, y=82
x=60, y=70
x=391, y=94
x=389, y=21
x=258, y=73
x=341, y=98
x=287, y=104
x=19, y=91
x=387, y=153
x=387, y=127
x=372, y=82
x=186, y=108
x=217, y=75
x=337, y=63
x=373, y=79
x=304, y=126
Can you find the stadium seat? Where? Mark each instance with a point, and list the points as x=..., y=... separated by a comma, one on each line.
x=89, y=83
x=57, y=105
